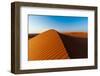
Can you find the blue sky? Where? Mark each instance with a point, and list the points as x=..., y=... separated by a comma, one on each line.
x=41, y=23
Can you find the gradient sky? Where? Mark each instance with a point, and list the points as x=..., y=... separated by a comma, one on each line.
x=41, y=23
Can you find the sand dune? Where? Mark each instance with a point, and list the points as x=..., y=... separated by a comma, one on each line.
x=76, y=34
x=47, y=46
x=51, y=45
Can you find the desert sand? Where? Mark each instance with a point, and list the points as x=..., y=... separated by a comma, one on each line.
x=51, y=45
x=47, y=46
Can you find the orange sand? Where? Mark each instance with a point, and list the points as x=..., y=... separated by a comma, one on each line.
x=46, y=46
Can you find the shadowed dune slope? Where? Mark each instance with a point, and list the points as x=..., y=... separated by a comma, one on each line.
x=76, y=44
x=46, y=46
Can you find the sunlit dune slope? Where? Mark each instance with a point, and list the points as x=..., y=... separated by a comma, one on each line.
x=46, y=46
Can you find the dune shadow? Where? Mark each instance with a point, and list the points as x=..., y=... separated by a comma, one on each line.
x=75, y=46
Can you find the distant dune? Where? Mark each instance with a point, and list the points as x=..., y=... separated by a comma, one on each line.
x=31, y=35
x=47, y=46
x=76, y=34
x=51, y=45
